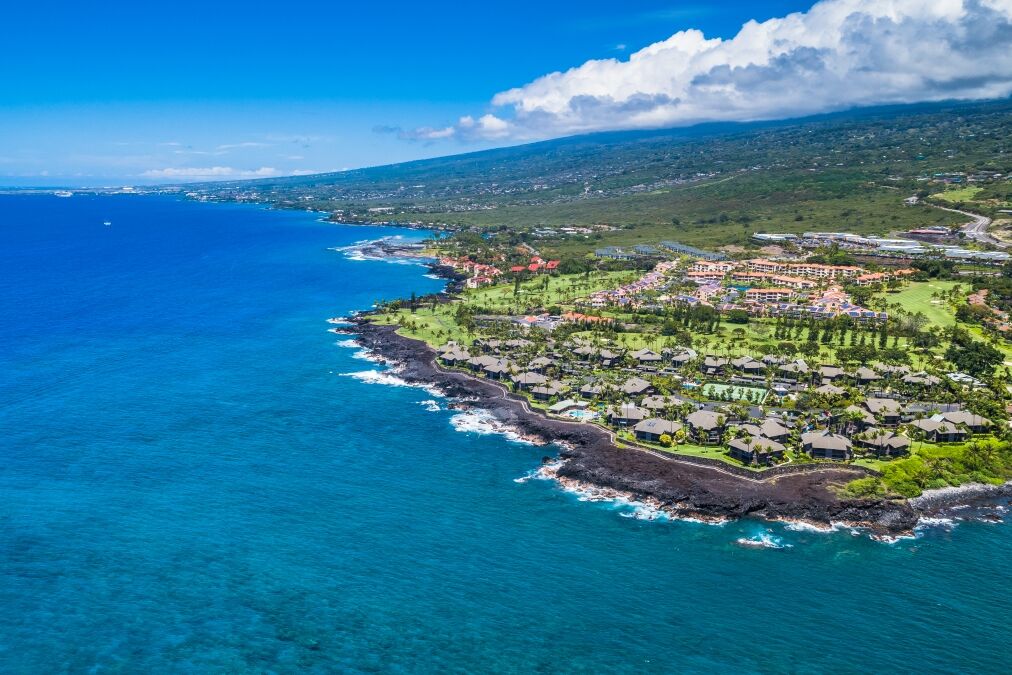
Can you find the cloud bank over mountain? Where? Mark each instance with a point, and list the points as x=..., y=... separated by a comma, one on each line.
x=837, y=55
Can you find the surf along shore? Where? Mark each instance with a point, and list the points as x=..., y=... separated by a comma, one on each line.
x=682, y=488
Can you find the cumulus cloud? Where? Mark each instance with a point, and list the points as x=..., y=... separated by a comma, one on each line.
x=198, y=173
x=837, y=55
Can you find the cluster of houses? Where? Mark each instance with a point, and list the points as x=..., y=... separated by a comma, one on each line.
x=871, y=410
x=655, y=279
x=993, y=318
x=798, y=290
x=480, y=274
x=536, y=265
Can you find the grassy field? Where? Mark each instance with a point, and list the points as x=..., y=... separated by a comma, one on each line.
x=709, y=452
x=437, y=326
x=963, y=194
x=916, y=297
x=434, y=328
x=562, y=290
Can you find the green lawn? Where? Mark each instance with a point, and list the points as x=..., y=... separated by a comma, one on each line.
x=435, y=328
x=916, y=297
x=709, y=452
x=562, y=290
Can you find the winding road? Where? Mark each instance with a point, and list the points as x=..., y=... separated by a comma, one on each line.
x=976, y=229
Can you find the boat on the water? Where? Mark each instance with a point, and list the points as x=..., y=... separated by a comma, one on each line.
x=63, y=193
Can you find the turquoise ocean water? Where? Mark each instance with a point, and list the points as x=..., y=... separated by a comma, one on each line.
x=196, y=477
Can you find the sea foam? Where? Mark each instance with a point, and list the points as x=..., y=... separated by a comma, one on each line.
x=478, y=421
x=763, y=540
x=390, y=379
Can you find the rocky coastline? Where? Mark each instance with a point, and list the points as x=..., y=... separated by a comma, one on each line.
x=589, y=460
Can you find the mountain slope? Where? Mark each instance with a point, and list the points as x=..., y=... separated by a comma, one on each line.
x=710, y=183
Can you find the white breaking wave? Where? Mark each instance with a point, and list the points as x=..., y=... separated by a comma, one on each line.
x=430, y=405
x=363, y=353
x=483, y=422
x=390, y=379
x=543, y=472
x=357, y=252
x=763, y=540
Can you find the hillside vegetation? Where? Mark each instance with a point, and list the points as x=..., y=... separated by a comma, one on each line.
x=710, y=184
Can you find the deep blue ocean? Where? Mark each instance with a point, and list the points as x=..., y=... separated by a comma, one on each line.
x=191, y=481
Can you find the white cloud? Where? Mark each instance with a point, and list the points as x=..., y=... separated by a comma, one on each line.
x=197, y=173
x=839, y=54
x=235, y=146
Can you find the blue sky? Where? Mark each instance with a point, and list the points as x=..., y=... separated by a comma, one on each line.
x=97, y=93
x=129, y=93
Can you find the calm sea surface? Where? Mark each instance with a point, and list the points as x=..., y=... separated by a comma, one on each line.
x=196, y=477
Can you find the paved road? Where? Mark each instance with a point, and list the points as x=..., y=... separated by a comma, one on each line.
x=976, y=229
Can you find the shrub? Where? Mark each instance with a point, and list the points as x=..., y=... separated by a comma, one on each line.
x=865, y=487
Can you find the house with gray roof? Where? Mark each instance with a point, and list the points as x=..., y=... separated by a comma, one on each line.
x=770, y=428
x=682, y=356
x=756, y=450
x=748, y=365
x=478, y=363
x=830, y=390
x=865, y=375
x=653, y=428
x=794, y=370
x=886, y=409
x=541, y=363
x=863, y=418
x=883, y=442
x=940, y=431
x=646, y=356
x=922, y=380
x=636, y=386
x=625, y=415
x=706, y=426
x=524, y=381
x=454, y=356
x=830, y=373
x=498, y=370
x=827, y=445
x=713, y=365
x=664, y=402
x=975, y=423
x=546, y=391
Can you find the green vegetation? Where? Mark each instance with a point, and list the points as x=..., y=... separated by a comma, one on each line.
x=705, y=451
x=934, y=466
x=926, y=297
x=707, y=185
x=729, y=392
x=963, y=194
x=544, y=291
